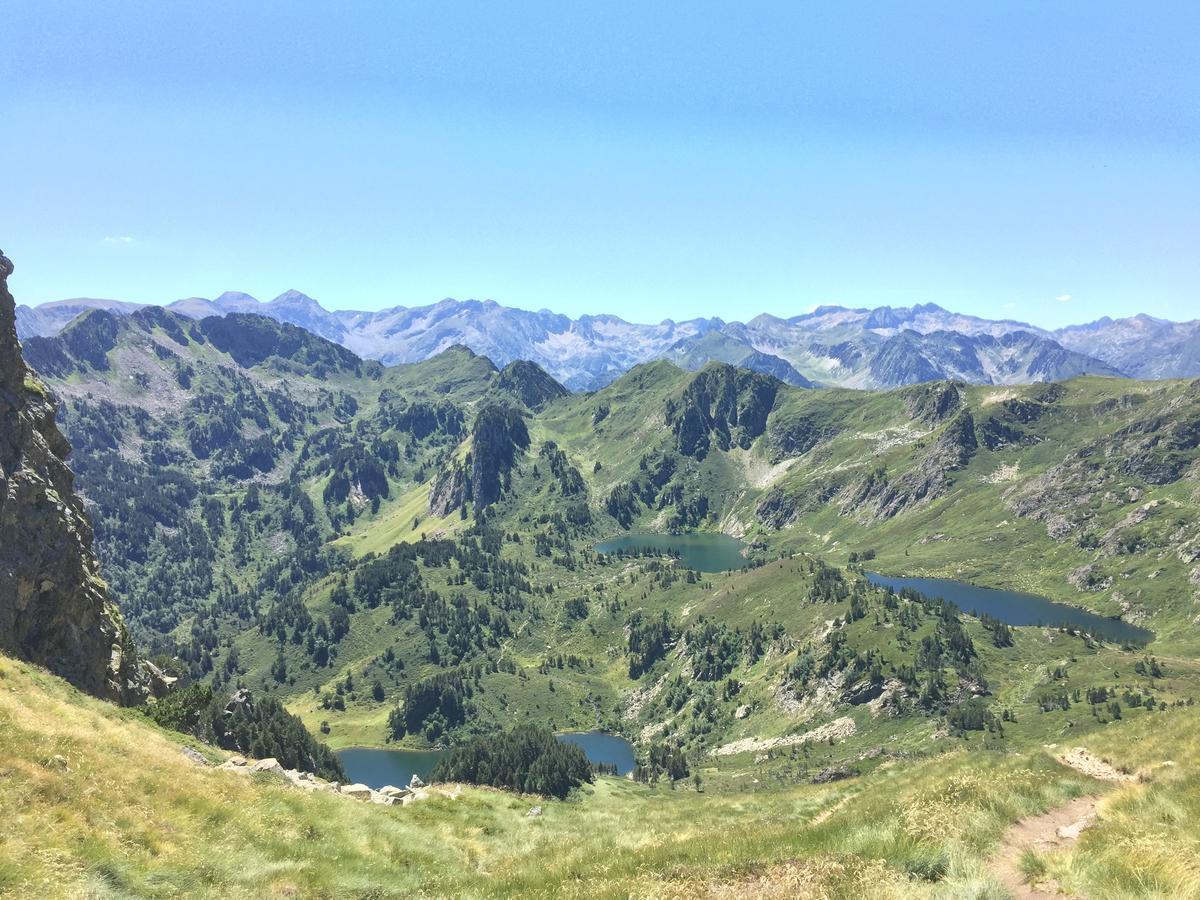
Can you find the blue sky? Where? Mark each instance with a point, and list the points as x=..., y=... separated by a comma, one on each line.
x=1038, y=161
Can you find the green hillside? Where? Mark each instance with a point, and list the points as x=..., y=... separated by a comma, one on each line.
x=404, y=556
x=100, y=803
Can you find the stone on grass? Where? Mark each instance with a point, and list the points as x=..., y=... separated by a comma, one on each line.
x=357, y=791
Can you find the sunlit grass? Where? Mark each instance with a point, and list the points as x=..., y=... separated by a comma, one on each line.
x=96, y=802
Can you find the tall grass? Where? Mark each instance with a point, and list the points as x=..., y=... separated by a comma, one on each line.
x=96, y=802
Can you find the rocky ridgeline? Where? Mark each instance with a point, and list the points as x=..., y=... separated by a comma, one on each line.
x=305, y=781
x=498, y=435
x=54, y=607
x=722, y=406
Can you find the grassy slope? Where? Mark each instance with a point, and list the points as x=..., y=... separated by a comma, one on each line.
x=973, y=534
x=753, y=816
x=127, y=814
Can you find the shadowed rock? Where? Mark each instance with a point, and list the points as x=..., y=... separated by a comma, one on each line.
x=54, y=607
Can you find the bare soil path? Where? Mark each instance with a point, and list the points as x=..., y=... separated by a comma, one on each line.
x=1053, y=830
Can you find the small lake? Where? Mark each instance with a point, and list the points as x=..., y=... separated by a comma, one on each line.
x=1015, y=608
x=377, y=767
x=603, y=748
x=703, y=551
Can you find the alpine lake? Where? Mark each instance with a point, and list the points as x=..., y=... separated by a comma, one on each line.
x=715, y=552
x=378, y=767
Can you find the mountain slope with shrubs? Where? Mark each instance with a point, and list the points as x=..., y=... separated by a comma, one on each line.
x=405, y=555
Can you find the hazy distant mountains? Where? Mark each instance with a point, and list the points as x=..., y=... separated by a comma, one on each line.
x=869, y=348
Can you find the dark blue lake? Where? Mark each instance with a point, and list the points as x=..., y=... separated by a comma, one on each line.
x=1015, y=608
x=603, y=748
x=377, y=767
x=703, y=551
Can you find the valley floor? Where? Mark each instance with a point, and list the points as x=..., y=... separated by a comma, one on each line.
x=98, y=803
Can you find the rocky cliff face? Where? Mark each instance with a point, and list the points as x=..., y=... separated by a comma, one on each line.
x=498, y=434
x=54, y=607
x=722, y=405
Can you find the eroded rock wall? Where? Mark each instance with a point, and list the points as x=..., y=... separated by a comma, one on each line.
x=54, y=606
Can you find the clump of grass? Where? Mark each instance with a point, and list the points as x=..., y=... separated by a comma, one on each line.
x=929, y=865
x=35, y=386
x=1033, y=866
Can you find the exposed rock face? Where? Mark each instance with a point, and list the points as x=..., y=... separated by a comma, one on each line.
x=777, y=509
x=722, y=405
x=498, y=434
x=54, y=607
x=933, y=403
x=797, y=436
x=448, y=491
x=876, y=497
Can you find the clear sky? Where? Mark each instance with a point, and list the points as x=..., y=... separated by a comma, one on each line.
x=1036, y=160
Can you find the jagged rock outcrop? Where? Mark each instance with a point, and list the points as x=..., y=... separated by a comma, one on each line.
x=54, y=607
x=933, y=403
x=448, y=492
x=777, y=509
x=796, y=436
x=497, y=435
x=529, y=383
x=722, y=405
x=995, y=434
x=876, y=496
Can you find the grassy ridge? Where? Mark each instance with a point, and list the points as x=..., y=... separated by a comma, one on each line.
x=99, y=803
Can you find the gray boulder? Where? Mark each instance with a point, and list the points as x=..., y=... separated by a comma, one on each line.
x=357, y=791
x=270, y=764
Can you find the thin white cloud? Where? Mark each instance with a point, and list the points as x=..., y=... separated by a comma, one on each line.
x=118, y=240
x=1063, y=298
x=1010, y=306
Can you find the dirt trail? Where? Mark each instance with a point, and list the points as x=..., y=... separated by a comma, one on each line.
x=1054, y=830
x=1083, y=762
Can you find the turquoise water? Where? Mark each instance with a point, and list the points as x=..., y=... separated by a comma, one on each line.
x=1015, y=608
x=375, y=768
x=701, y=551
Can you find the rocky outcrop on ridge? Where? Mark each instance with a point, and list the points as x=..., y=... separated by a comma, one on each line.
x=54, y=607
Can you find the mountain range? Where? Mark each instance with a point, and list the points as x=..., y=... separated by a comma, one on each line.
x=323, y=552
x=832, y=345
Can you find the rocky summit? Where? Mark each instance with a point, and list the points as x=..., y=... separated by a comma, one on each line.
x=54, y=606
x=883, y=347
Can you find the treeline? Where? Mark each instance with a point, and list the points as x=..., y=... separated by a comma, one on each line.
x=529, y=759
x=257, y=726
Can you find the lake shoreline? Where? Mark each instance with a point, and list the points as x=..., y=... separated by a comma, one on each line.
x=379, y=766
x=1019, y=609
x=711, y=552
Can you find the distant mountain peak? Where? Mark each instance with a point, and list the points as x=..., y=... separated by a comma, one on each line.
x=294, y=296
x=832, y=345
x=231, y=297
